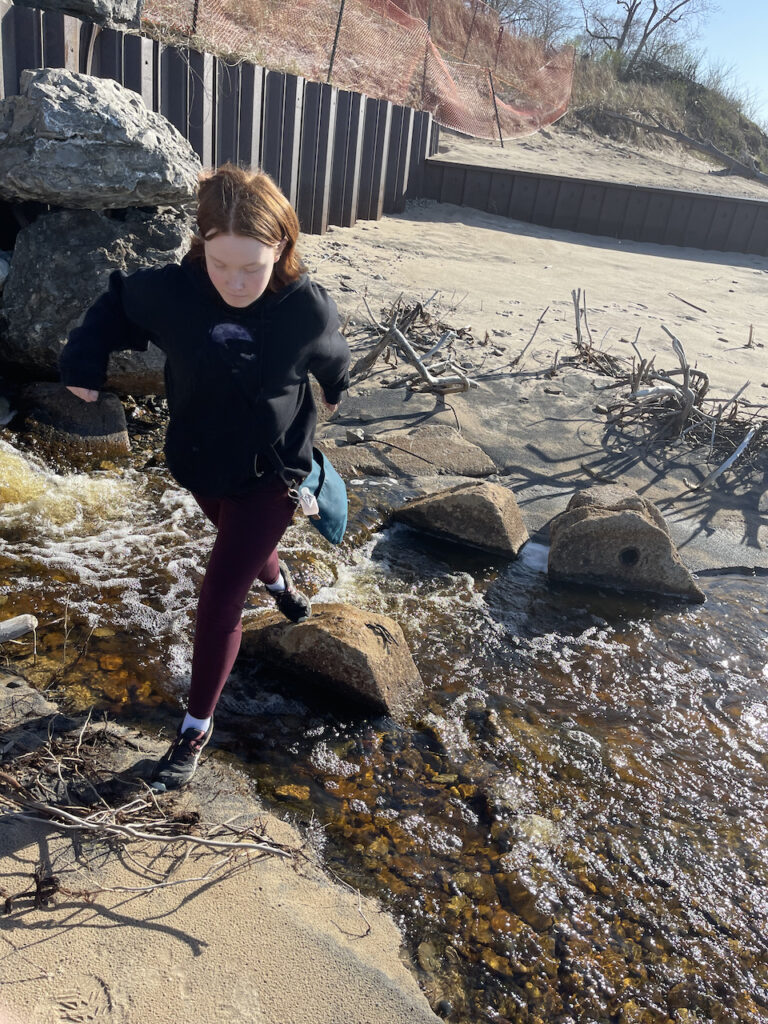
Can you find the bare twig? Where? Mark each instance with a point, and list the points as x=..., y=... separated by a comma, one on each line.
x=727, y=464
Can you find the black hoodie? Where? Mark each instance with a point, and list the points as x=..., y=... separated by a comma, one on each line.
x=236, y=379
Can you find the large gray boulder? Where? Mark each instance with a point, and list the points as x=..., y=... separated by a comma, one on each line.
x=609, y=536
x=61, y=264
x=358, y=654
x=481, y=515
x=88, y=143
x=101, y=12
x=91, y=428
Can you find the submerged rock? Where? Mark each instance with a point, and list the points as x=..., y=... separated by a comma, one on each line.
x=359, y=654
x=89, y=143
x=610, y=536
x=55, y=413
x=483, y=515
x=61, y=264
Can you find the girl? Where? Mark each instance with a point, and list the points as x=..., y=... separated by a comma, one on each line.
x=241, y=326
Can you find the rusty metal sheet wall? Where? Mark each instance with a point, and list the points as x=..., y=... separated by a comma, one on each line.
x=632, y=212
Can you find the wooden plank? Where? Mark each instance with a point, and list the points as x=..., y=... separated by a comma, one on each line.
x=27, y=40
x=477, y=188
x=613, y=210
x=758, y=236
x=521, y=196
x=317, y=128
x=354, y=160
x=9, y=76
x=274, y=104
x=452, y=190
x=591, y=205
x=108, y=55
x=397, y=159
x=372, y=169
x=227, y=120
x=700, y=221
x=422, y=127
x=52, y=35
x=656, y=217
x=433, y=179
x=281, y=136
x=251, y=97
x=634, y=218
x=201, y=106
x=737, y=239
x=546, y=201
x=677, y=222
x=344, y=182
x=722, y=219
x=174, y=86
x=568, y=206
x=139, y=68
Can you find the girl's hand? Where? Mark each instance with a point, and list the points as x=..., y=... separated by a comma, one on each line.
x=329, y=407
x=86, y=394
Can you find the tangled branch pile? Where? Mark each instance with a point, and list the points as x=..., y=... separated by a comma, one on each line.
x=63, y=783
x=673, y=405
x=416, y=336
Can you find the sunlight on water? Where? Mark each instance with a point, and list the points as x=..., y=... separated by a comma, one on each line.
x=34, y=499
x=572, y=826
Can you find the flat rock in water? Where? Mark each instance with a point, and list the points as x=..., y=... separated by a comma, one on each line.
x=359, y=654
x=436, y=449
x=61, y=265
x=482, y=515
x=20, y=702
x=81, y=142
x=610, y=536
x=98, y=427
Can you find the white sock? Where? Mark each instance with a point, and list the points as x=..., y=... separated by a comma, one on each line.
x=278, y=585
x=201, y=724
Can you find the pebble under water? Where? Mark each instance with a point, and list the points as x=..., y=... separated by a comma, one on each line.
x=573, y=824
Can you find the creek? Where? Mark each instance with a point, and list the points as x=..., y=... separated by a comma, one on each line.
x=573, y=824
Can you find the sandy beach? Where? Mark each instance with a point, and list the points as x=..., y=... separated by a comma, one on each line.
x=280, y=941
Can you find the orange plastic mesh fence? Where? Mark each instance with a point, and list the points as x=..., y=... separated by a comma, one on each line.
x=465, y=70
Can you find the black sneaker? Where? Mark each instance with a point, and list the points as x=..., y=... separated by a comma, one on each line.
x=177, y=765
x=291, y=602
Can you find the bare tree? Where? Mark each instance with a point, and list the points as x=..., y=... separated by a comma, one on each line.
x=548, y=20
x=639, y=25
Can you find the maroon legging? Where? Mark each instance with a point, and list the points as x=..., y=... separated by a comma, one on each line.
x=249, y=529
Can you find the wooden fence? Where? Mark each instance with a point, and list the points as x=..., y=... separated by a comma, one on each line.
x=633, y=212
x=337, y=155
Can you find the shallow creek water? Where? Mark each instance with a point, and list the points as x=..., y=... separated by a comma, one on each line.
x=573, y=824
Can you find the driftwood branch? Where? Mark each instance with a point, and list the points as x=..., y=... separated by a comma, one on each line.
x=727, y=464
x=709, y=148
x=438, y=383
x=11, y=629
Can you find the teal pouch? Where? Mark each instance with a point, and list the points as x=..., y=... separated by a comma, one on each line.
x=330, y=492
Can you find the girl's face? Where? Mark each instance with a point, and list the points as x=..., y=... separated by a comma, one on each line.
x=240, y=267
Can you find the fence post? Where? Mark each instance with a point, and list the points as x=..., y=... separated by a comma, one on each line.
x=496, y=107
x=335, y=40
x=498, y=47
x=471, y=26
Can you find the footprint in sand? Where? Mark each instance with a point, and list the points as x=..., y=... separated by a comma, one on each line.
x=87, y=999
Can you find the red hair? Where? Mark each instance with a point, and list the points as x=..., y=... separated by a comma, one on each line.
x=232, y=201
